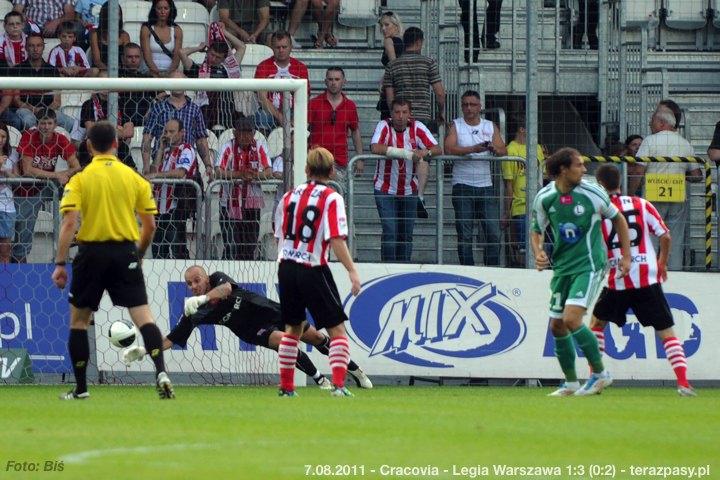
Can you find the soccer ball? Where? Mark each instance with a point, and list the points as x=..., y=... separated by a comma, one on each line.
x=122, y=334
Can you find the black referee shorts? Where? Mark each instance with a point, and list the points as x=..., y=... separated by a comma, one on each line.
x=311, y=288
x=648, y=304
x=111, y=266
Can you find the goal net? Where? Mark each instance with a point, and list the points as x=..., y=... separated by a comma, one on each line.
x=219, y=218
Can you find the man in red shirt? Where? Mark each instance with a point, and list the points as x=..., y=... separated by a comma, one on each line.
x=280, y=65
x=39, y=149
x=331, y=115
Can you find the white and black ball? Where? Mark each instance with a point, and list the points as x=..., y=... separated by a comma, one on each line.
x=122, y=334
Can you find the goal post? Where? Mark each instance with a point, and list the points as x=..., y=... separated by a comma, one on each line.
x=34, y=314
x=298, y=88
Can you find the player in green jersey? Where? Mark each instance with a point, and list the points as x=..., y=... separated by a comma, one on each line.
x=574, y=209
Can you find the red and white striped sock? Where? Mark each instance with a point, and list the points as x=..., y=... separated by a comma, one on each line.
x=600, y=335
x=287, y=356
x=676, y=356
x=339, y=358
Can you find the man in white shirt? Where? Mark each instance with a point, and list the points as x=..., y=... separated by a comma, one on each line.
x=666, y=141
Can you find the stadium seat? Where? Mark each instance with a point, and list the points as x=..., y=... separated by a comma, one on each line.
x=686, y=14
x=14, y=136
x=640, y=13
x=50, y=43
x=358, y=14
x=275, y=142
x=5, y=7
x=190, y=12
x=254, y=54
x=71, y=102
x=214, y=15
x=135, y=145
x=194, y=33
x=212, y=144
x=135, y=11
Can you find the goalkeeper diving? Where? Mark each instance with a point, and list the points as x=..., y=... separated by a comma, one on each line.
x=255, y=319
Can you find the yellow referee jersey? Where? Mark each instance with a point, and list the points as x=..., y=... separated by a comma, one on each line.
x=108, y=193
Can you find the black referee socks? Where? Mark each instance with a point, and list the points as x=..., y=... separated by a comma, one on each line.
x=79, y=349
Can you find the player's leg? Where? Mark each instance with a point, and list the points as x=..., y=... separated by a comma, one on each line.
x=154, y=346
x=583, y=289
x=652, y=309
x=564, y=347
x=326, y=309
x=303, y=362
x=292, y=312
x=321, y=342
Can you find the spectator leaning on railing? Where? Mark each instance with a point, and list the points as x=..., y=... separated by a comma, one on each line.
x=403, y=142
x=473, y=195
x=39, y=149
x=665, y=182
x=174, y=159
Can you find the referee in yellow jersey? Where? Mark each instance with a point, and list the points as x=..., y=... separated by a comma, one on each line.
x=107, y=194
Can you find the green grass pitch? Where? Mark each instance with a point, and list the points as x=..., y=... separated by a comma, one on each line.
x=248, y=432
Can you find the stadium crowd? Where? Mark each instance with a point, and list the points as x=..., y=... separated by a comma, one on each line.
x=176, y=126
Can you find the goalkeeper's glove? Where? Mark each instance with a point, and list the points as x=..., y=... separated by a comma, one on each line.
x=131, y=354
x=193, y=303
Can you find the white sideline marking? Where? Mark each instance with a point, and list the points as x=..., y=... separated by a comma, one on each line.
x=82, y=457
x=58, y=358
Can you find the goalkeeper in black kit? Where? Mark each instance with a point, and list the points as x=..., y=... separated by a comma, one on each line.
x=255, y=319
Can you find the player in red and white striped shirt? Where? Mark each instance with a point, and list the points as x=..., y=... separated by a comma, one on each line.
x=309, y=219
x=641, y=289
x=403, y=142
x=174, y=159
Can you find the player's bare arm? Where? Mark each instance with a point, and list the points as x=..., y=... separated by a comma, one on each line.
x=541, y=259
x=665, y=243
x=147, y=222
x=68, y=227
x=343, y=255
x=621, y=227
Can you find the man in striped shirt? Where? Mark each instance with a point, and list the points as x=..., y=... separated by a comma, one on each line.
x=309, y=219
x=574, y=210
x=403, y=142
x=174, y=160
x=641, y=289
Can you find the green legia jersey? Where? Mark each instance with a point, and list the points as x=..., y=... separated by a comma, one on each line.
x=575, y=219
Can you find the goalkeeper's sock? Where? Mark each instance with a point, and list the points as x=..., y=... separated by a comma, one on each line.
x=153, y=345
x=339, y=358
x=324, y=347
x=287, y=356
x=676, y=356
x=589, y=345
x=600, y=335
x=565, y=353
x=305, y=365
x=79, y=349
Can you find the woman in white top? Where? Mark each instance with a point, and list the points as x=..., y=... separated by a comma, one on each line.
x=161, y=39
x=8, y=169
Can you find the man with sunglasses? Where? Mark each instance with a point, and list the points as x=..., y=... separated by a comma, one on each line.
x=331, y=114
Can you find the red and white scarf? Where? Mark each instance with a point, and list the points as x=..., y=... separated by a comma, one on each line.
x=99, y=111
x=9, y=50
x=231, y=65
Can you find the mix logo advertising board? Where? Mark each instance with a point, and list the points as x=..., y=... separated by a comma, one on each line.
x=430, y=319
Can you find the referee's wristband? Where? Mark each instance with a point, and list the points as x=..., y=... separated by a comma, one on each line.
x=60, y=264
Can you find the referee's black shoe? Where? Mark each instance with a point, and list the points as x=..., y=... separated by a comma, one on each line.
x=164, y=386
